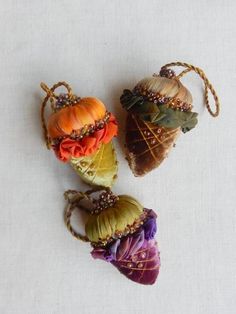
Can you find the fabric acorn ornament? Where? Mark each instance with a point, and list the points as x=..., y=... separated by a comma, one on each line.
x=159, y=108
x=80, y=131
x=121, y=232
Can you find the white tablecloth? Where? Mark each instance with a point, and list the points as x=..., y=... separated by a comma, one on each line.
x=101, y=47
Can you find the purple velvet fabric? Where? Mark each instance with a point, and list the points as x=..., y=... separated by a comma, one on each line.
x=150, y=225
x=136, y=256
x=143, y=266
x=102, y=253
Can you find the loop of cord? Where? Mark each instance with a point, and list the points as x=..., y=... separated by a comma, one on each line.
x=50, y=95
x=208, y=85
x=74, y=198
x=69, y=210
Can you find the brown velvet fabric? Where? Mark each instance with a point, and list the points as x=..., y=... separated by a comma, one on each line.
x=147, y=144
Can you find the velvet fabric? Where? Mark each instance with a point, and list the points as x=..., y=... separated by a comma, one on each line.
x=136, y=256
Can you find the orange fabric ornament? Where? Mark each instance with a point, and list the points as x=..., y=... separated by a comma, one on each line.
x=80, y=131
x=76, y=127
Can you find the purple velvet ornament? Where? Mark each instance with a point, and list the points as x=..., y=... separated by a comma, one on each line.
x=136, y=255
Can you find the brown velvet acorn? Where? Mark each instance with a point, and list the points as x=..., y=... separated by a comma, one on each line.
x=159, y=108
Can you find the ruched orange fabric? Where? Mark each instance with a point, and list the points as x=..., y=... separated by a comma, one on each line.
x=89, y=144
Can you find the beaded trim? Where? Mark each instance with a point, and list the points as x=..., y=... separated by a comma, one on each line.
x=106, y=199
x=156, y=98
x=65, y=100
x=85, y=131
x=164, y=72
x=130, y=229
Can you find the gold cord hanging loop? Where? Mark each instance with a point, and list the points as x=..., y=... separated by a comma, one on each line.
x=50, y=95
x=74, y=198
x=208, y=85
x=72, y=204
x=182, y=73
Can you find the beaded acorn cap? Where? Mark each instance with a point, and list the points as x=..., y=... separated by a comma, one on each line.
x=114, y=220
x=159, y=108
x=163, y=90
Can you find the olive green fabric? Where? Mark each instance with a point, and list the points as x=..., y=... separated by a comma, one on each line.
x=170, y=118
x=159, y=114
x=114, y=219
x=98, y=169
x=129, y=99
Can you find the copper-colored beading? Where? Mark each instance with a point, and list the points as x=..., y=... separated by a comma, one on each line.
x=157, y=98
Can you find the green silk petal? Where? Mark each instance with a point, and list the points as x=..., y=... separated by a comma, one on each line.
x=176, y=118
x=98, y=169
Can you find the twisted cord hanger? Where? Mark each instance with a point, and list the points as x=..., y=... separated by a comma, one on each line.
x=50, y=95
x=74, y=198
x=207, y=84
x=72, y=204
